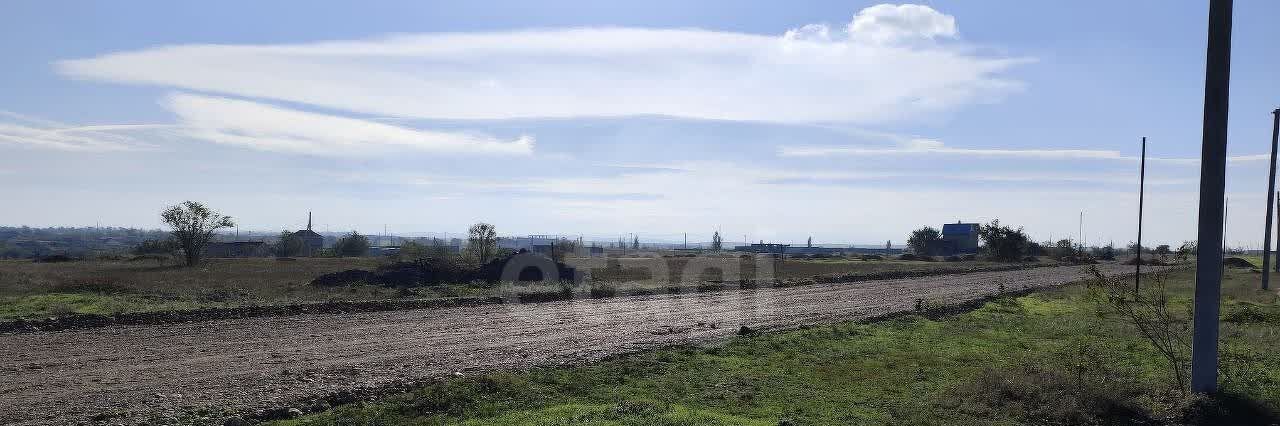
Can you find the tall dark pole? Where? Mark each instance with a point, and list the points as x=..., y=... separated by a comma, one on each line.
x=1142, y=183
x=1271, y=190
x=1213, y=180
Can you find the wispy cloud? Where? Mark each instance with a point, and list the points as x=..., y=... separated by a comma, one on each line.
x=24, y=130
x=889, y=63
x=934, y=147
x=272, y=128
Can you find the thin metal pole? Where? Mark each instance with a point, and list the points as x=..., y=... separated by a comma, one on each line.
x=1142, y=182
x=1271, y=190
x=1213, y=179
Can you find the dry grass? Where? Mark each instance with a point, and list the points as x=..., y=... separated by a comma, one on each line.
x=41, y=289
x=30, y=289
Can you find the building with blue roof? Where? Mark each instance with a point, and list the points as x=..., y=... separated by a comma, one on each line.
x=959, y=238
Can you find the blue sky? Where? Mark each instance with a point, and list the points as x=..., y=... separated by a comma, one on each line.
x=849, y=121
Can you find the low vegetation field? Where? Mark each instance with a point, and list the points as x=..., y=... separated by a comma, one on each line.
x=38, y=290
x=1065, y=356
x=29, y=289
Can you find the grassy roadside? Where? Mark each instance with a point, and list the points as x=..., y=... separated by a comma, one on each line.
x=1055, y=357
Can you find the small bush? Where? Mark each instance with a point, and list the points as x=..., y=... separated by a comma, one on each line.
x=907, y=256
x=1043, y=395
x=1249, y=313
x=706, y=286
x=158, y=258
x=601, y=290
x=953, y=258
x=564, y=293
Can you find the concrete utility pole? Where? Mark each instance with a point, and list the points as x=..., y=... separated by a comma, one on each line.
x=1213, y=179
x=1271, y=190
x=1142, y=181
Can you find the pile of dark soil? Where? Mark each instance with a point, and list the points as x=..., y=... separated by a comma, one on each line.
x=55, y=258
x=342, y=278
x=1236, y=262
x=492, y=272
x=431, y=272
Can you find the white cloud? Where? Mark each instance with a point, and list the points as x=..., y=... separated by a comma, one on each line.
x=805, y=75
x=887, y=23
x=22, y=130
x=934, y=147
x=271, y=128
x=676, y=186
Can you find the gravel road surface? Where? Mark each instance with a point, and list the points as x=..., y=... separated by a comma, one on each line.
x=130, y=374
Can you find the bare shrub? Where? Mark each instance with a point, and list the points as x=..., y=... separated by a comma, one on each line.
x=1150, y=313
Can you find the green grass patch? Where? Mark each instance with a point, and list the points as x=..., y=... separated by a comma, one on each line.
x=61, y=304
x=1055, y=357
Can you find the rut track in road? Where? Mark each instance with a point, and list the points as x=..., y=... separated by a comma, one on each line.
x=148, y=372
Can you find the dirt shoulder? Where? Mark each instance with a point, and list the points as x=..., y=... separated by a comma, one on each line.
x=204, y=370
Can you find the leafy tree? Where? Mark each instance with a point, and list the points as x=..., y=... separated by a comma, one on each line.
x=1108, y=252
x=561, y=249
x=1063, y=248
x=352, y=245
x=193, y=226
x=1185, y=251
x=1002, y=242
x=924, y=240
x=288, y=245
x=482, y=241
x=414, y=250
x=716, y=242
x=1162, y=251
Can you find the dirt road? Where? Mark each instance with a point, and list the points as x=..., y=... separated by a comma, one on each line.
x=129, y=374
